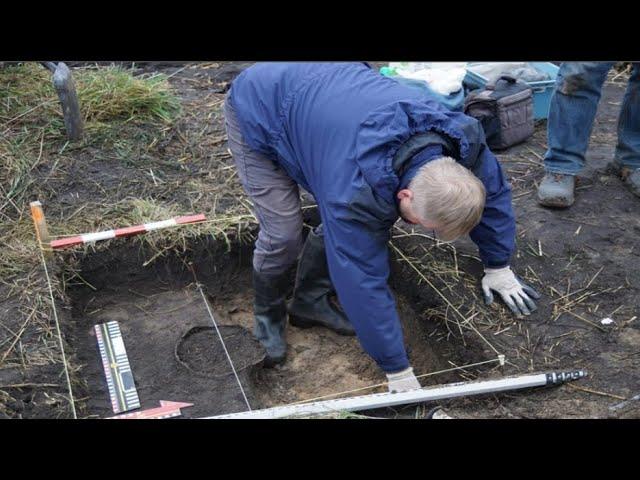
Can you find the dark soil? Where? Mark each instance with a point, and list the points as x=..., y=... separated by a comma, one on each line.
x=164, y=323
x=200, y=351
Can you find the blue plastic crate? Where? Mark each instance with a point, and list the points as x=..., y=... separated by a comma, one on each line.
x=542, y=90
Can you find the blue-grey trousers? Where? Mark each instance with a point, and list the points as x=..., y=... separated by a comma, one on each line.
x=276, y=200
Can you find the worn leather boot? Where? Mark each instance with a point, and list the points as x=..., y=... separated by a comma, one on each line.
x=629, y=176
x=270, y=312
x=311, y=305
x=557, y=190
x=633, y=182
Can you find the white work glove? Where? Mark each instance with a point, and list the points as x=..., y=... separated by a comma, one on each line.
x=402, y=381
x=515, y=293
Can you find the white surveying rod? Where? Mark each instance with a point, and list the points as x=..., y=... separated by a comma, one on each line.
x=378, y=400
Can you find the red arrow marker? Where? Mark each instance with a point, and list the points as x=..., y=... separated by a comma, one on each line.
x=165, y=410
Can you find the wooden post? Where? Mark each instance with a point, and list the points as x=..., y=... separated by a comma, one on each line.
x=42, y=232
x=63, y=83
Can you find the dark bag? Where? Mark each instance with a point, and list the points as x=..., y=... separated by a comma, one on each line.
x=505, y=110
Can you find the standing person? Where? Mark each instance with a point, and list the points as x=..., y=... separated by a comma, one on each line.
x=571, y=114
x=369, y=150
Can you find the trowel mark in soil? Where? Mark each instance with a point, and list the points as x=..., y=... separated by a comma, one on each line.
x=176, y=354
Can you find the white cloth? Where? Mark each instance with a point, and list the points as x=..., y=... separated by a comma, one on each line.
x=444, y=78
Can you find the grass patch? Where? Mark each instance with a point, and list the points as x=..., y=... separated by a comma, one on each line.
x=106, y=95
x=112, y=93
x=117, y=109
x=18, y=249
x=120, y=111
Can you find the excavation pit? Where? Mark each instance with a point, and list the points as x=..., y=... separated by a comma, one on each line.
x=176, y=355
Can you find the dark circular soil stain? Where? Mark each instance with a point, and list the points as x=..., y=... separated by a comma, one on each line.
x=200, y=350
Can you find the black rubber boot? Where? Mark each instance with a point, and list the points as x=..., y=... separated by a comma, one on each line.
x=270, y=312
x=311, y=305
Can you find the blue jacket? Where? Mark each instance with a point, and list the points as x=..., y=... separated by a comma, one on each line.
x=342, y=132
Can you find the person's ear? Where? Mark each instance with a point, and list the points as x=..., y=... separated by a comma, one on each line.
x=405, y=193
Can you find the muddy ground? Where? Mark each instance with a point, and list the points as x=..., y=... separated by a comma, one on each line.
x=584, y=260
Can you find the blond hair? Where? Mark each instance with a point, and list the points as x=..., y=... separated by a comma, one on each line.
x=448, y=194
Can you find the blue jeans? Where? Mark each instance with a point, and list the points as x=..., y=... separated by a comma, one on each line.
x=573, y=109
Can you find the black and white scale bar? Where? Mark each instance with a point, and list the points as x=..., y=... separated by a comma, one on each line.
x=122, y=388
x=378, y=400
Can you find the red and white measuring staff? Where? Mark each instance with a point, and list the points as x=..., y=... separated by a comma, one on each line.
x=125, y=232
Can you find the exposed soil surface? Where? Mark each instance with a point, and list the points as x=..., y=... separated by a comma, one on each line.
x=176, y=354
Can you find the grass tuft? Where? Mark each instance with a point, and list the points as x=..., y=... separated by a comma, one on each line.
x=113, y=94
